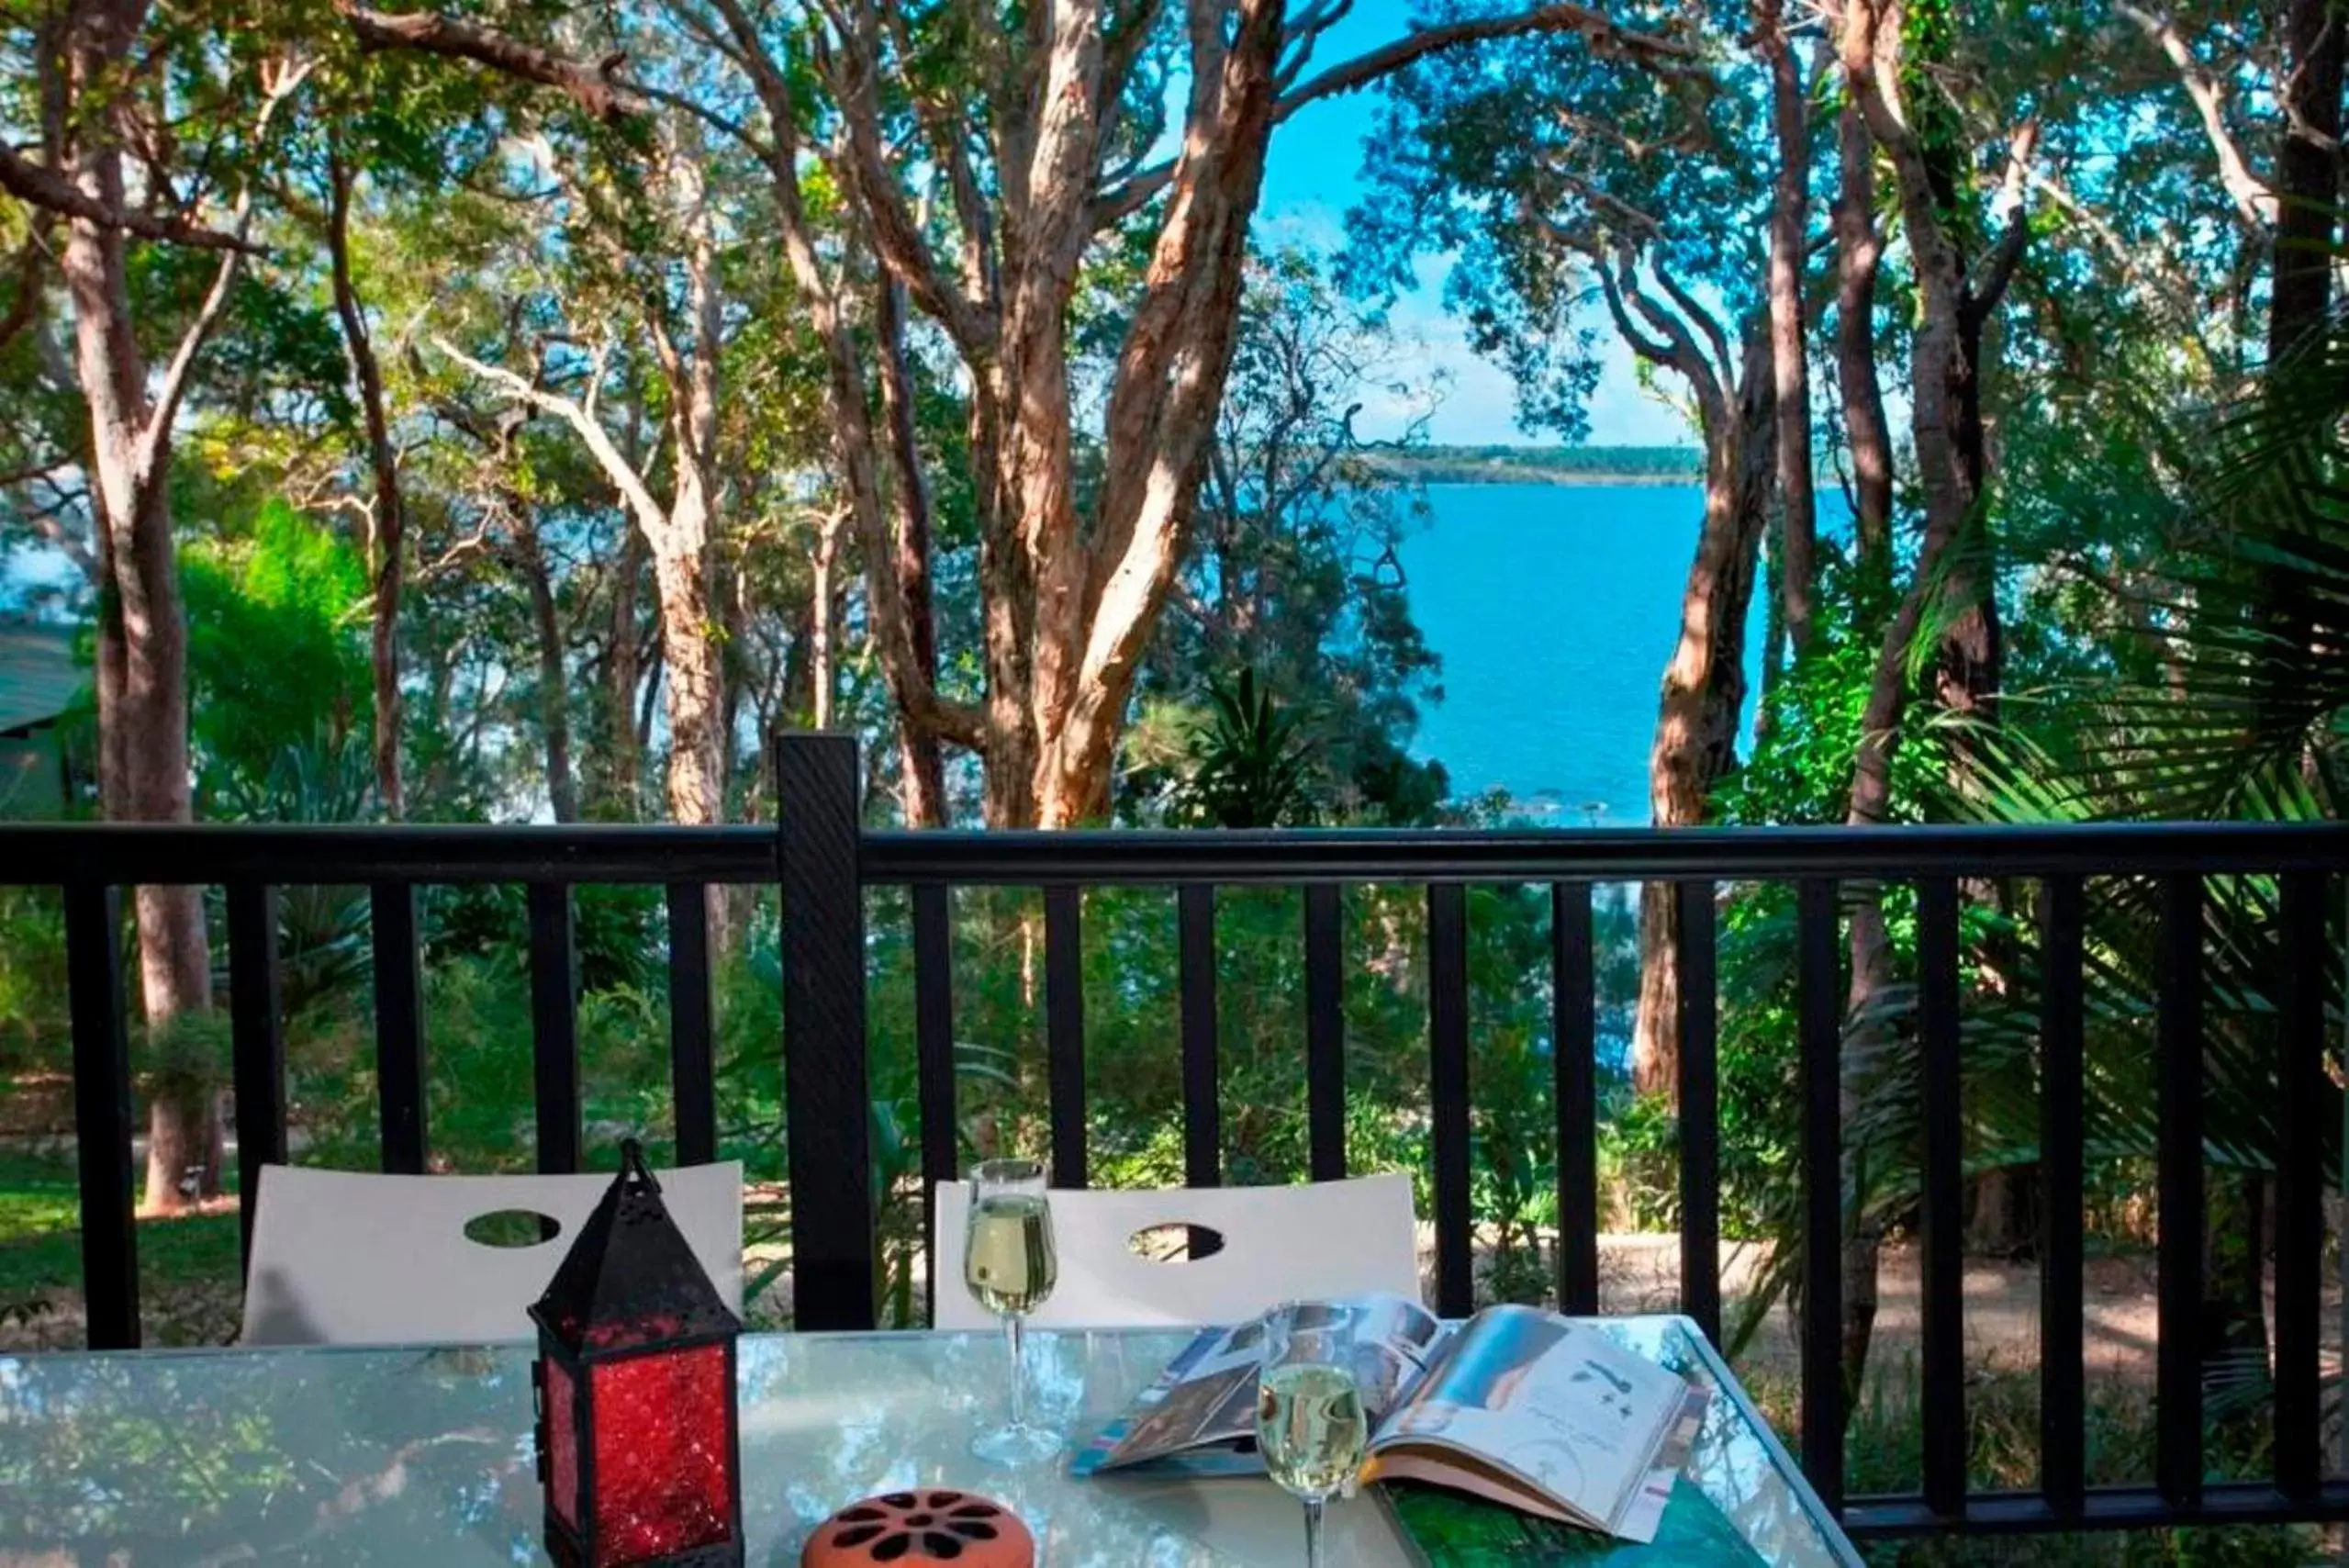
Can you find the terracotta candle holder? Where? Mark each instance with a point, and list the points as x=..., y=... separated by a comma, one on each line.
x=916, y=1529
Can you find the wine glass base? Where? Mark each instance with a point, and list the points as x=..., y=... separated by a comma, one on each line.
x=1016, y=1447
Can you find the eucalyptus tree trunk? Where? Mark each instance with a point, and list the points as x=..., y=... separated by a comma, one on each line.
x=1704, y=682
x=621, y=767
x=1859, y=249
x=1789, y=229
x=546, y=634
x=386, y=535
x=142, y=663
x=2307, y=174
x=1946, y=430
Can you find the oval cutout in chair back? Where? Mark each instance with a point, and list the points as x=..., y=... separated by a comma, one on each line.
x=1174, y=1242
x=512, y=1227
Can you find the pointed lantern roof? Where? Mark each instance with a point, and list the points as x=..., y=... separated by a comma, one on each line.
x=630, y=1279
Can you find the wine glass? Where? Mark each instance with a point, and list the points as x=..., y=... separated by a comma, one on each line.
x=1010, y=1265
x=1309, y=1420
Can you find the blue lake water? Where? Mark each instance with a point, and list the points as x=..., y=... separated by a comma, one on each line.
x=1554, y=607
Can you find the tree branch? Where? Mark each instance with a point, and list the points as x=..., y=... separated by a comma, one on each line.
x=595, y=88
x=52, y=192
x=2254, y=203
x=1648, y=50
x=650, y=515
x=1656, y=53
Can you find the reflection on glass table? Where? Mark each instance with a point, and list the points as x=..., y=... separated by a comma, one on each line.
x=196, y=1459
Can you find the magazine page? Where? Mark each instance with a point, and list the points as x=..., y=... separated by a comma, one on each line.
x=1556, y=1406
x=1206, y=1397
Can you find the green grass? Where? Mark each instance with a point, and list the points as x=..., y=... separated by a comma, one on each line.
x=187, y=1266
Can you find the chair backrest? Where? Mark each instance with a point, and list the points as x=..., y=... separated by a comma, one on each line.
x=346, y=1258
x=1329, y=1239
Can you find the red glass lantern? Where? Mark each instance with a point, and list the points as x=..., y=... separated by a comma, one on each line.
x=638, y=1449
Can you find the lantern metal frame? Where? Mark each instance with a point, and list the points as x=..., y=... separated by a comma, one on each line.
x=573, y=1544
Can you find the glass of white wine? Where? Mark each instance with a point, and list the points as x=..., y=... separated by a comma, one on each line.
x=1010, y=1265
x=1310, y=1424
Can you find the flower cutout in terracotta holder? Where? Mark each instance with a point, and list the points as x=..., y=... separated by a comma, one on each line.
x=917, y=1530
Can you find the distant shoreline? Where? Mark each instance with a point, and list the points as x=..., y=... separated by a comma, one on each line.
x=1560, y=481
x=1561, y=465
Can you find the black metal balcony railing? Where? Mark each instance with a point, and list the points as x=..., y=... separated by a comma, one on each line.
x=824, y=861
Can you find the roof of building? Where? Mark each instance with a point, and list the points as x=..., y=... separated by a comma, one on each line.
x=38, y=676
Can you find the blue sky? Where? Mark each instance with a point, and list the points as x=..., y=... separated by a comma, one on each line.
x=1313, y=176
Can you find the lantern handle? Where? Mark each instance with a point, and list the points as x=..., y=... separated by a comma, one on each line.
x=633, y=1166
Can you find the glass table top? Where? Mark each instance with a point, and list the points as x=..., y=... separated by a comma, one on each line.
x=423, y=1456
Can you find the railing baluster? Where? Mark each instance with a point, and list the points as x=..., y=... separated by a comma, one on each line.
x=1064, y=1030
x=1325, y=1031
x=693, y=1075
x=1449, y=1096
x=1573, y=1049
x=399, y=1027
x=102, y=1113
x=1943, y=1281
x=257, y=1045
x=934, y=1050
x=827, y=1095
x=554, y=1028
x=2063, y=1190
x=2304, y=1092
x=1700, y=1112
x=1819, y=1005
x=2177, y=1372
x=1203, y=1130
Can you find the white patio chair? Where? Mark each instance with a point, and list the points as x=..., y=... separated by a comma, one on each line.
x=1328, y=1238
x=348, y=1258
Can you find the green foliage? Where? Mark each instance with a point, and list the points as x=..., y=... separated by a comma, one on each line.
x=275, y=655
x=1250, y=765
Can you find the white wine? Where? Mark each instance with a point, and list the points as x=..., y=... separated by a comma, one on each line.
x=1309, y=1424
x=1009, y=1262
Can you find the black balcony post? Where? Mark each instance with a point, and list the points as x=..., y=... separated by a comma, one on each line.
x=1203, y=1125
x=1573, y=1035
x=934, y=1046
x=1448, y=1093
x=1819, y=1012
x=692, y=1066
x=554, y=1028
x=827, y=1097
x=1064, y=1030
x=2307, y=1099
x=257, y=1045
x=1325, y=1031
x=2062, y=1176
x=2177, y=1354
x=1700, y=1108
x=1942, y=1274
x=399, y=1028
x=102, y=1113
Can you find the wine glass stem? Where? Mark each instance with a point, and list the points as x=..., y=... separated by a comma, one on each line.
x=1313, y=1533
x=1019, y=1372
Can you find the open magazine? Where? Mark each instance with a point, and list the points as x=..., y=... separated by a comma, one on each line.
x=1523, y=1408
